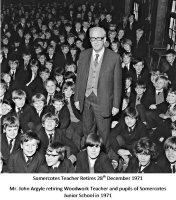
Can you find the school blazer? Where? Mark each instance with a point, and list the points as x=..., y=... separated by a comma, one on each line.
x=102, y=164
x=133, y=167
x=17, y=163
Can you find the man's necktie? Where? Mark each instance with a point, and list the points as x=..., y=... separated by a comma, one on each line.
x=50, y=100
x=18, y=111
x=10, y=144
x=13, y=75
x=96, y=60
x=50, y=138
x=173, y=169
x=29, y=159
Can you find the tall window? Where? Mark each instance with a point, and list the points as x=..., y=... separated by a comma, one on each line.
x=172, y=27
x=136, y=10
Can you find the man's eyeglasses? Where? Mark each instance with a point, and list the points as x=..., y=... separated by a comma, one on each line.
x=51, y=155
x=92, y=39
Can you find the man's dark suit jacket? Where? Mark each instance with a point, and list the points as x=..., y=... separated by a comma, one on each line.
x=133, y=167
x=17, y=163
x=109, y=84
x=102, y=164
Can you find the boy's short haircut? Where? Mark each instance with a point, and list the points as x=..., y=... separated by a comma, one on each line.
x=70, y=64
x=170, y=143
x=137, y=60
x=68, y=25
x=116, y=42
x=59, y=97
x=131, y=112
x=51, y=79
x=70, y=75
x=50, y=47
x=67, y=85
x=59, y=148
x=59, y=72
x=44, y=70
x=126, y=41
x=145, y=146
x=70, y=35
x=26, y=53
x=38, y=97
x=170, y=51
x=50, y=116
x=129, y=78
x=172, y=90
x=11, y=121
x=140, y=84
x=29, y=135
x=64, y=45
x=18, y=94
x=127, y=54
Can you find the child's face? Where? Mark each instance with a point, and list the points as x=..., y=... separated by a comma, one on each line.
x=52, y=158
x=127, y=83
x=138, y=67
x=42, y=59
x=51, y=51
x=171, y=154
x=44, y=76
x=29, y=147
x=170, y=58
x=49, y=124
x=126, y=59
x=34, y=68
x=38, y=105
x=49, y=65
x=171, y=98
x=70, y=68
x=127, y=47
x=130, y=121
x=26, y=58
x=68, y=92
x=121, y=33
x=13, y=65
x=71, y=40
x=11, y=132
x=19, y=102
x=59, y=78
x=114, y=46
x=144, y=159
x=140, y=90
x=93, y=152
x=50, y=87
x=159, y=84
x=5, y=108
x=58, y=105
x=65, y=50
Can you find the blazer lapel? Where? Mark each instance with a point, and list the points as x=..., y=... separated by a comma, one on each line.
x=104, y=64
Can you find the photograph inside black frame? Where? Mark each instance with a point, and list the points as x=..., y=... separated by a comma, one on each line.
x=88, y=86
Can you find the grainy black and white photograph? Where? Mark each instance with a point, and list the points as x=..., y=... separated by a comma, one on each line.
x=88, y=87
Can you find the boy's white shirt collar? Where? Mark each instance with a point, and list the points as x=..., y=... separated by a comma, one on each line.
x=158, y=91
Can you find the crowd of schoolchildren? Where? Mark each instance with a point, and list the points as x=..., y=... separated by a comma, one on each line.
x=41, y=129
